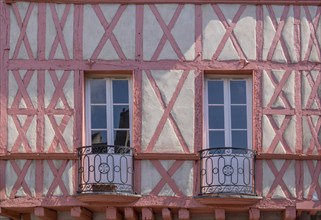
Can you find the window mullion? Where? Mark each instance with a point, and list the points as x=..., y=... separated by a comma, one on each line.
x=227, y=110
x=109, y=113
x=249, y=112
x=88, y=114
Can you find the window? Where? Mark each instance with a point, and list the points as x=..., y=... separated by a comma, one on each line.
x=228, y=112
x=227, y=163
x=106, y=164
x=108, y=111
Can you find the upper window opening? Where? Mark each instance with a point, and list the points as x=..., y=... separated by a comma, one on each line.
x=109, y=111
x=228, y=112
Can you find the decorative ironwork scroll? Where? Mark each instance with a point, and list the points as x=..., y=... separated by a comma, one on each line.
x=227, y=171
x=105, y=168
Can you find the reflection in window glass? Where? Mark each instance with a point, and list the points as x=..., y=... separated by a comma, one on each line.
x=109, y=111
x=121, y=116
x=98, y=137
x=227, y=112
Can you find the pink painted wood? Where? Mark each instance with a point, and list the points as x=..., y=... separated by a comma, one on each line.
x=167, y=112
x=229, y=32
x=278, y=34
x=313, y=39
x=59, y=25
x=167, y=177
x=278, y=181
x=57, y=173
x=167, y=32
x=23, y=38
x=109, y=27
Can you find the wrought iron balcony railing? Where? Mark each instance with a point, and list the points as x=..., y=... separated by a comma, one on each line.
x=227, y=171
x=104, y=168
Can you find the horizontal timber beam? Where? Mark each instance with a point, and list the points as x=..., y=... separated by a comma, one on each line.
x=256, y=2
x=96, y=65
x=166, y=156
x=151, y=156
x=39, y=156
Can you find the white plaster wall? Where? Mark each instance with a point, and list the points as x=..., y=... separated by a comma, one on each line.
x=307, y=89
x=245, y=32
x=183, y=32
x=50, y=134
x=12, y=127
x=124, y=31
x=183, y=177
x=93, y=33
x=288, y=178
x=51, y=31
x=306, y=35
x=31, y=89
x=214, y=31
x=307, y=177
x=67, y=178
x=269, y=33
x=268, y=89
x=11, y=178
x=68, y=89
x=32, y=28
x=182, y=112
x=288, y=36
x=307, y=138
x=269, y=133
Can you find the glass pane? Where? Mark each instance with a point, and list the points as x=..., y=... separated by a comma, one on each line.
x=120, y=91
x=98, y=117
x=122, y=138
x=98, y=137
x=215, y=92
x=98, y=91
x=238, y=91
x=216, y=139
x=239, y=117
x=216, y=117
x=121, y=116
x=239, y=139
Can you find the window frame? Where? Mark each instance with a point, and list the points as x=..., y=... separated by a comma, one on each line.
x=109, y=107
x=227, y=108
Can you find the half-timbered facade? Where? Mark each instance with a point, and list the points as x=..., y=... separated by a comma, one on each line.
x=193, y=109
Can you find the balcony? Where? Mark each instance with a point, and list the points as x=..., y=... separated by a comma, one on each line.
x=227, y=173
x=105, y=171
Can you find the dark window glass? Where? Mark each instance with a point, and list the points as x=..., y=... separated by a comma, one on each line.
x=98, y=91
x=120, y=91
x=215, y=92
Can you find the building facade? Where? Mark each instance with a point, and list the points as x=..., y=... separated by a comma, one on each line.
x=192, y=109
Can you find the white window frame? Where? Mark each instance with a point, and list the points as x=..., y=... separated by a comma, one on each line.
x=227, y=109
x=109, y=108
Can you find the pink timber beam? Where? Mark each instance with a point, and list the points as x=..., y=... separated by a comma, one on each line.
x=256, y=2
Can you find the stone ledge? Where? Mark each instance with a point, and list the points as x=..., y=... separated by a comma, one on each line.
x=228, y=199
x=107, y=197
